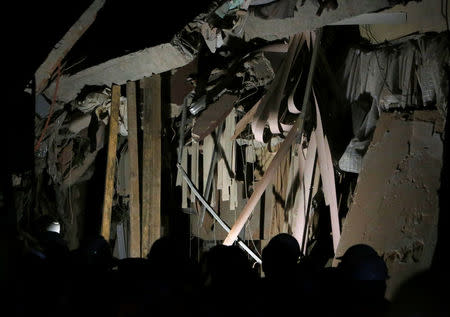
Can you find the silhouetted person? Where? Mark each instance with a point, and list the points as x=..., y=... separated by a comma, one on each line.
x=364, y=274
x=93, y=285
x=280, y=257
x=227, y=271
x=281, y=291
x=170, y=279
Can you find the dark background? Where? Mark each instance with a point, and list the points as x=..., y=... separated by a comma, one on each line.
x=29, y=30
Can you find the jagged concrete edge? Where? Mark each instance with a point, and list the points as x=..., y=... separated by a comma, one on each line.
x=134, y=66
x=305, y=19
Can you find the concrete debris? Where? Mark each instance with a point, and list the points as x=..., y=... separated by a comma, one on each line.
x=326, y=4
x=212, y=36
x=273, y=29
x=42, y=106
x=100, y=103
x=258, y=72
x=93, y=100
x=408, y=74
x=274, y=10
x=80, y=123
x=243, y=75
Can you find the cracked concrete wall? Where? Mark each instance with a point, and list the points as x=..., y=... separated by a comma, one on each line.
x=395, y=206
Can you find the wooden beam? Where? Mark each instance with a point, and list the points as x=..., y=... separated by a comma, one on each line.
x=135, y=222
x=327, y=174
x=151, y=178
x=261, y=186
x=111, y=162
x=60, y=50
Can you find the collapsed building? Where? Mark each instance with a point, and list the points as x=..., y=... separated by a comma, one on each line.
x=259, y=117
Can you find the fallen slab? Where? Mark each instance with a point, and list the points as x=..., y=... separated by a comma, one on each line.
x=134, y=66
x=395, y=206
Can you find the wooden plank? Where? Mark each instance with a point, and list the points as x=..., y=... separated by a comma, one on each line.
x=327, y=174
x=194, y=168
x=60, y=50
x=279, y=224
x=208, y=148
x=184, y=186
x=135, y=221
x=111, y=162
x=227, y=146
x=305, y=189
x=122, y=252
x=151, y=178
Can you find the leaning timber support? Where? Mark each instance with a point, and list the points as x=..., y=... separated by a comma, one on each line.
x=151, y=160
x=111, y=162
x=135, y=222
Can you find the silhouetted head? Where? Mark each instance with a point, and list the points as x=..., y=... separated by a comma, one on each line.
x=226, y=265
x=96, y=251
x=167, y=257
x=362, y=263
x=280, y=256
x=364, y=275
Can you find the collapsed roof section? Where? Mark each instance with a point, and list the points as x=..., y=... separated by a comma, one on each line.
x=305, y=18
x=213, y=28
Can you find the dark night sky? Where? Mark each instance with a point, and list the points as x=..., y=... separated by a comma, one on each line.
x=34, y=27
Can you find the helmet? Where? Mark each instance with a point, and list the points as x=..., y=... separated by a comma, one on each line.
x=362, y=263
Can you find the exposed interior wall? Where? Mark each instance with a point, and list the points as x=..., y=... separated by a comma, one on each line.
x=395, y=206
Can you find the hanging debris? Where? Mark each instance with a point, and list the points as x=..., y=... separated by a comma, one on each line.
x=405, y=75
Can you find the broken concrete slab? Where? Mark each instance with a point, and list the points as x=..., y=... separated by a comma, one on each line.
x=134, y=66
x=423, y=16
x=395, y=206
x=305, y=19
